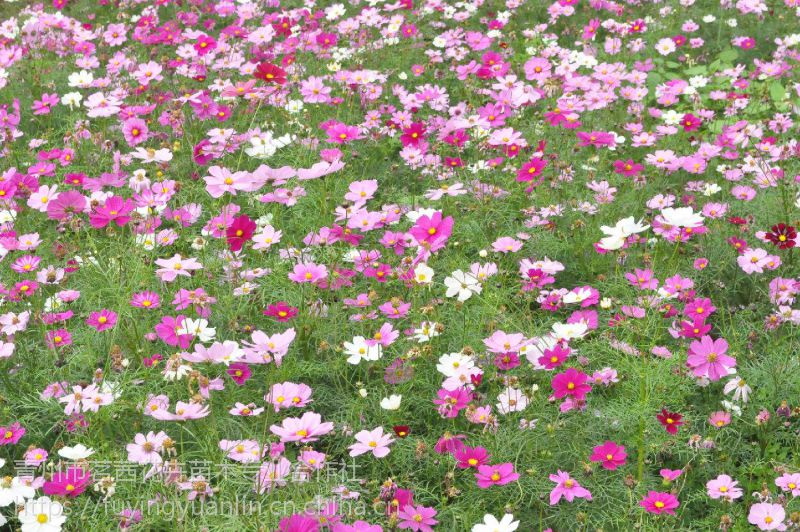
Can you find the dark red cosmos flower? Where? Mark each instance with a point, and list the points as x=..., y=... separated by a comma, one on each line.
x=402, y=430
x=270, y=73
x=783, y=236
x=281, y=311
x=670, y=420
x=240, y=231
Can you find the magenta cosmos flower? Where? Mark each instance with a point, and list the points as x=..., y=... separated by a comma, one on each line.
x=239, y=372
x=658, y=502
x=102, y=320
x=281, y=311
x=468, y=457
x=432, y=230
x=65, y=205
x=71, y=483
x=496, y=475
x=571, y=382
x=239, y=232
x=11, y=434
x=115, y=210
x=610, y=455
x=707, y=358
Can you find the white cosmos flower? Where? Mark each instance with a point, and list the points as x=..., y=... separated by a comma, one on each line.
x=454, y=364
x=426, y=331
x=616, y=236
x=511, y=400
x=417, y=214
x=76, y=452
x=681, y=217
x=42, y=515
x=491, y=524
x=462, y=285
x=198, y=328
x=359, y=350
x=578, y=296
x=149, y=155
x=568, y=331
x=265, y=145
x=423, y=274
x=392, y=402
x=14, y=491
x=81, y=80
x=72, y=99
x=741, y=391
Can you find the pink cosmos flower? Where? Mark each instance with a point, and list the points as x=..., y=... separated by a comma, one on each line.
x=496, y=475
x=723, y=487
x=272, y=475
x=146, y=300
x=135, y=131
x=374, y=441
x=568, y=488
x=707, y=358
x=45, y=105
x=342, y=133
x=239, y=232
x=281, y=311
x=197, y=486
x=176, y=265
x=767, y=516
x=221, y=180
x=146, y=449
x=658, y=502
x=417, y=518
x=304, y=429
x=451, y=402
x=167, y=331
x=789, y=482
x=183, y=412
x=308, y=273
x=719, y=419
x=288, y=395
x=610, y=455
x=58, y=338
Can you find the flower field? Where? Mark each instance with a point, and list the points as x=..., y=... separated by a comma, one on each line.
x=389, y=265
